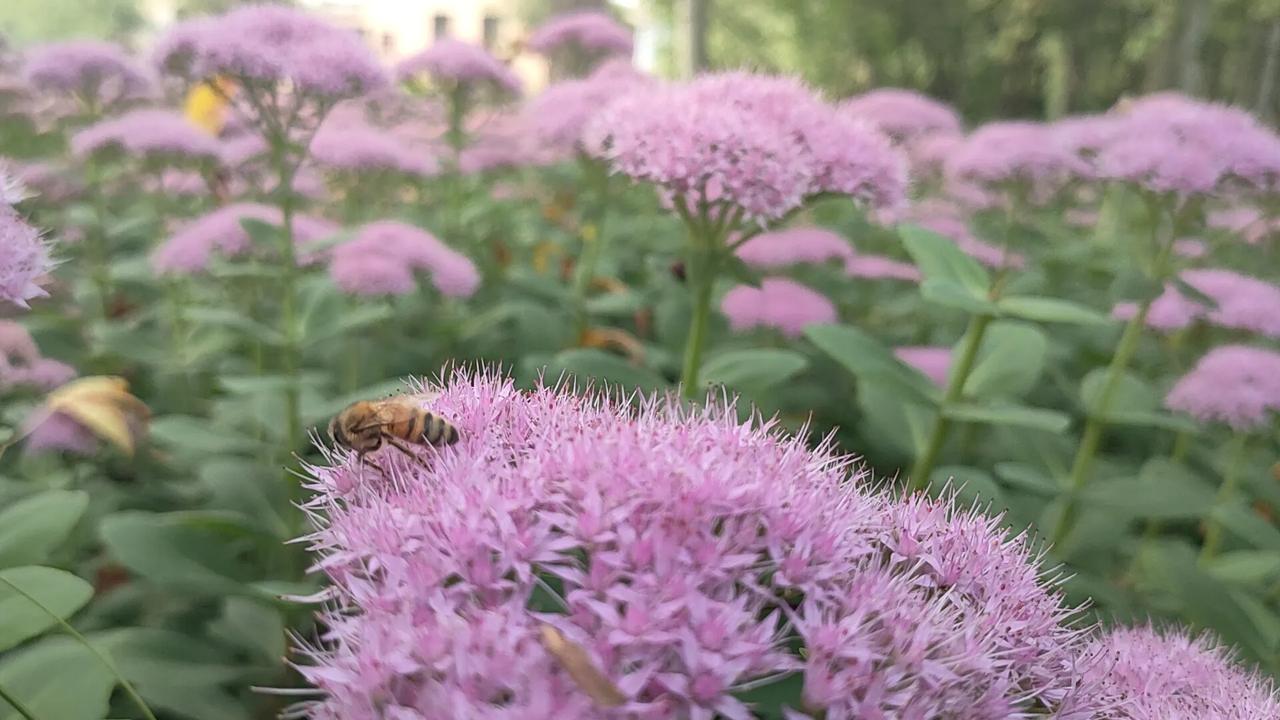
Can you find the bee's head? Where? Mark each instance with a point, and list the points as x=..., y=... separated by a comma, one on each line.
x=335, y=431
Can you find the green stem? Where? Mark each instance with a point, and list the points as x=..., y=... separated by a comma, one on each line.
x=1235, y=463
x=96, y=239
x=593, y=242
x=955, y=389
x=1087, y=451
x=289, y=292
x=701, y=275
x=1092, y=437
x=104, y=658
x=16, y=704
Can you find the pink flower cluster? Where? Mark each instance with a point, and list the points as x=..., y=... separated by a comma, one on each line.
x=383, y=256
x=148, y=134
x=689, y=555
x=1016, y=152
x=738, y=142
x=360, y=148
x=1242, y=303
x=778, y=303
x=97, y=72
x=1233, y=384
x=558, y=115
x=22, y=365
x=587, y=31
x=24, y=259
x=904, y=115
x=795, y=246
x=221, y=233
x=1153, y=674
x=933, y=361
x=274, y=47
x=454, y=63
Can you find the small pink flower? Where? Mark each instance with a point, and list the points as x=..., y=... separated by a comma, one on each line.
x=1234, y=384
x=778, y=303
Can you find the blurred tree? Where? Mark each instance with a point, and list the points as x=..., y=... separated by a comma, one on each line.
x=1030, y=58
x=29, y=21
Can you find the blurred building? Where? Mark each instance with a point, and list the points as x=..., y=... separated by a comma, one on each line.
x=398, y=28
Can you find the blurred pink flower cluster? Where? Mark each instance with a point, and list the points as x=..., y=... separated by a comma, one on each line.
x=587, y=31
x=383, y=256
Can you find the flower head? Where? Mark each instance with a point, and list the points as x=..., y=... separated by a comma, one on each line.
x=57, y=432
x=273, y=47
x=778, y=303
x=361, y=148
x=1169, y=143
x=1234, y=384
x=558, y=116
x=685, y=553
x=24, y=259
x=737, y=142
x=1021, y=152
x=1249, y=223
x=454, y=63
x=148, y=134
x=1242, y=302
x=590, y=32
x=794, y=246
x=933, y=361
x=904, y=115
x=222, y=233
x=1155, y=674
x=383, y=256
x=97, y=72
x=879, y=267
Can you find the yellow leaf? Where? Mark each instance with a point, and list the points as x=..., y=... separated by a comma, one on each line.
x=105, y=420
x=575, y=660
x=589, y=232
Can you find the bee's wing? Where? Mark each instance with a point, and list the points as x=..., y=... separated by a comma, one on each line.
x=423, y=398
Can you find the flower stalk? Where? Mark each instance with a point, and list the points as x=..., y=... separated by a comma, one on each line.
x=1235, y=465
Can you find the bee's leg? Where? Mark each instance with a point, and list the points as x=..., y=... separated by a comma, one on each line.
x=362, y=459
x=399, y=444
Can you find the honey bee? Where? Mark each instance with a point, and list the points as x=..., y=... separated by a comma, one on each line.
x=401, y=421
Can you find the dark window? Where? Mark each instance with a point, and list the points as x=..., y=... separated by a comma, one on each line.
x=490, y=32
x=388, y=43
x=440, y=26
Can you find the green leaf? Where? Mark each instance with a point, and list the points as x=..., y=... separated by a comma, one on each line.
x=235, y=321
x=60, y=592
x=1170, y=498
x=1016, y=415
x=1153, y=418
x=1046, y=309
x=615, y=304
x=57, y=678
x=178, y=673
x=248, y=488
x=589, y=363
x=252, y=625
x=196, y=435
x=1010, y=360
x=169, y=551
x=262, y=234
x=889, y=422
x=33, y=527
x=1245, y=524
x=949, y=293
x=1027, y=478
x=872, y=362
x=348, y=321
x=768, y=701
x=1250, y=568
x=260, y=384
x=753, y=370
x=1131, y=394
x=1200, y=597
x=1133, y=285
x=745, y=274
x=939, y=259
x=972, y=485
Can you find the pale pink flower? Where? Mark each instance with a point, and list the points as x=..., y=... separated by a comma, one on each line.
x=778, y=303
x=1233, y=384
